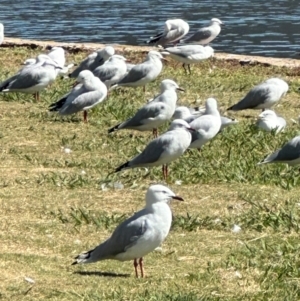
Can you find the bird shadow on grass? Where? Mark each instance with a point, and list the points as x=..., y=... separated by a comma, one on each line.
x=101, y=274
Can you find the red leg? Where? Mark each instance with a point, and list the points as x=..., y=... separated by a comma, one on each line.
x=85, y=116
x=166, y=172
x=144, y=89
x=142, y=268
x=155, y=132
x=135, y=264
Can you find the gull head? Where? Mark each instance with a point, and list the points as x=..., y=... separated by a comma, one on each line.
x=58, y=49
x=216, y=21
x=117, y=57
x=267, y=115
x=155, y=55
x=84, y=76
x=181, y=112
x=106, y=52
x=211, y=105
x=168, y=84
x=29, y=62
x=180, y=124
x=160, y=193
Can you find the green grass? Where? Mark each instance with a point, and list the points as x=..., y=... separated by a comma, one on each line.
x=54, y=205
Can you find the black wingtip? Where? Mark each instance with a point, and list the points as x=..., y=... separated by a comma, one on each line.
x=75, y=262
x=122, y=166
x=230, y=108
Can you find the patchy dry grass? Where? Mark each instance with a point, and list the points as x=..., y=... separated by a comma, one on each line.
x=55, y=205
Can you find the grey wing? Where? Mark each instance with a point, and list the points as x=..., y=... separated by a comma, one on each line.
x=256, y=96
x=184, y=51
x=4, y=84
x=27, y=78
x=84, y=65
x=84, y=100
x=127, y=234
x=144, y=114
x=201, y=34
x=289, y=152
x=152, y=152
x=105, y=73
x=137, y=73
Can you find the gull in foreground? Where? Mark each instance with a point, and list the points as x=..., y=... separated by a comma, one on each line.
x=155, y=113
x=289, y=153
x=88, y=93
x=140, y=234
x=175, y=29
x=164, y=149
x=189, y=54
x=263, y=96
x=206, y=34
x=206, y=126
x=94, y=60
x=1, y=33
x=268, y=121
x=144, y=73
x=32, y=78
x=112, y=71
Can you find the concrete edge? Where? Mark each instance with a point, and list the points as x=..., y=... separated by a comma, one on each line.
x=88, y=47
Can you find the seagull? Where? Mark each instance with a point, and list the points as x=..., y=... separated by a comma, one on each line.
x=88, y=93
x=262, y=96
x=189, y=54
x=289, y=153
x=112, y=71
x=32, y=78
x=175, y=29
x=94, y=60
x=1, y=33
x=190, y=114
x=144, y=73
x=154, y=113
x=164, y=149
x=206, y=34
x=268, y=121
x=206, y=126
x=138, y=235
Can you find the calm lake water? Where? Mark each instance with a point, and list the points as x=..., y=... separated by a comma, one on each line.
x=267, y=28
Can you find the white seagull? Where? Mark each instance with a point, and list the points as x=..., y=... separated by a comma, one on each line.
x=164, y=149
x=175, y=29
x=206, y=34
x=262, y=96
x=140, y=234
x=88, y=93
x=268, y=121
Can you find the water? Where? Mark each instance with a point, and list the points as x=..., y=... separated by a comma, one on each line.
x=267, y=28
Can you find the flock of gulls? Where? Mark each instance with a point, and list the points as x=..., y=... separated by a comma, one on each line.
x=103, y=71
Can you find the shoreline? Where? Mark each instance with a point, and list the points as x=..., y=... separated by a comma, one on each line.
x=76, y=47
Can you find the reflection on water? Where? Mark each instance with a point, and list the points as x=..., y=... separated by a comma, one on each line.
x=269, y=28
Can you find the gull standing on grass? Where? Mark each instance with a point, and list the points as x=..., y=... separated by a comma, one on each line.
x=154, y=113
x=112, y=71
x=190, y=114
x=206, y=126
x=189, y=54
x=269, y=121
x=262, y=96
x=144, y=73
x=1, y=33
x=289, y=153
x=32, y=78
x=94, y=60
x=206, y=34
x=164, y=149
x=88, y=93
x=140, y=234
x=175, y=29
